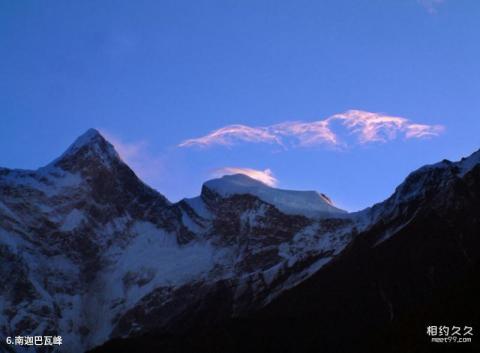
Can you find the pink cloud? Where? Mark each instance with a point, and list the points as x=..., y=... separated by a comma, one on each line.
x=265, y=176
x=378, y=127
x=371, y=127
x=367, y=126
x=306, y=134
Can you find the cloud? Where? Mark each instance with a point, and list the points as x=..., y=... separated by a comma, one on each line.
x=231, y=134
x=265, y=176
x=288, y=133
x=431, y=5
x=378, y=127
x=305, y=134
x=137, y=156
x=420, y=130
x=368, y=127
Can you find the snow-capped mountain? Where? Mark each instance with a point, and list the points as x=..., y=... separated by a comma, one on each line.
x=97, y=254
x=306, y=203
x=91, y=253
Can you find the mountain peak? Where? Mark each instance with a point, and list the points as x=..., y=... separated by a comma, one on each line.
x=308, y=203
x=89, y=148
x=89, y=138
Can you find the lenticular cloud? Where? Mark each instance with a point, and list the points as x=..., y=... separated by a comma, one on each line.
x=265, y=176
x=367, y=127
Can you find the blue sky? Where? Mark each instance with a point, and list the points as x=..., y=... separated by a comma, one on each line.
x=153, y=74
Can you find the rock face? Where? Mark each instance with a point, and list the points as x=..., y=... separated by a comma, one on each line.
x=91, y=253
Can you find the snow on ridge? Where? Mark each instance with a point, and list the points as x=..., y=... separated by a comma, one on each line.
x=465, y=164
x=307, y=203
x=49, y=180
x=198, y=206
x=406, y=191
x=72, y=220
x=151, y=259
x=87, y=138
